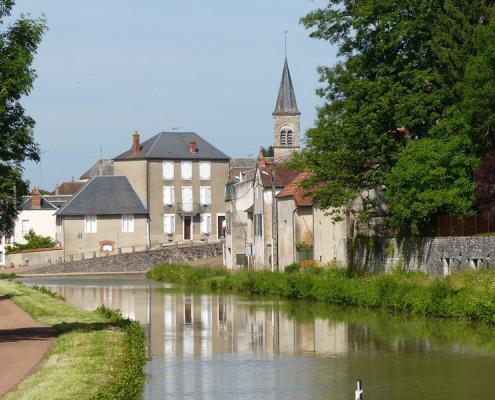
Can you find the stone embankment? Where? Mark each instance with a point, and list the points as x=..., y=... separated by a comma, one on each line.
x=132, y=262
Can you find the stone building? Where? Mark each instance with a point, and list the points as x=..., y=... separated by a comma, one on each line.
x=250, y=198
x=295, y=222
x=106, y=215
x=286, y=118
x=181, y=179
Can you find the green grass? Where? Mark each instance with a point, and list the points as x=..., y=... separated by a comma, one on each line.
x=97, y=355
x=469, y=295
x=9, y=275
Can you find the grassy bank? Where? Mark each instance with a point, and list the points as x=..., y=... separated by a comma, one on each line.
x=97, y=355
x=469, y=295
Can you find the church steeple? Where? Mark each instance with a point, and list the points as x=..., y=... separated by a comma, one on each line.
x=286, y=100
x=286, y=116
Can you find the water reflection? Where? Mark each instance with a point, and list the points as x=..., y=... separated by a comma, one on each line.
x=216, y=346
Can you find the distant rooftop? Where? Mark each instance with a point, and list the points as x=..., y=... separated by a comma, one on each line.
x=176, y=146
x=101, y=167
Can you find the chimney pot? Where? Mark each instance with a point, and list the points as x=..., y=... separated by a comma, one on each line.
x=193, y=147
x=136, y=146
x=36, y=198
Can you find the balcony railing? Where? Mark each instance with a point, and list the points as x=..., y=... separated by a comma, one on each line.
x=191, y=208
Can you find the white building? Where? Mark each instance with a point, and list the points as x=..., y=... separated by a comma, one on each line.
x=37, y=212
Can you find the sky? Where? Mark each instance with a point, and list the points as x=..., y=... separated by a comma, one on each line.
x=107, y=68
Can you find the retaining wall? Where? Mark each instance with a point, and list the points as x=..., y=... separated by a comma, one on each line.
x=135, y=262
x=435, y=256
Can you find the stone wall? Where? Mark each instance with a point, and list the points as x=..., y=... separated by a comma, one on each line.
x=136, y=262
x=435, y=256
x=34, y=257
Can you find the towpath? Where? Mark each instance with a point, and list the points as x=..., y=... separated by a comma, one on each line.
x=23, y=343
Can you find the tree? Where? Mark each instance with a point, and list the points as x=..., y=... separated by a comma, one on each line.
x=485, y=177
x=33, y=241
x=268, y=151
x=18, y=45
x=395, y=91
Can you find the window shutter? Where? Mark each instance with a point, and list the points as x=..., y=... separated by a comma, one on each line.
x=208, y=224
x=186, y=167
x=208, y=196
x=168, y=170
x=204, y=170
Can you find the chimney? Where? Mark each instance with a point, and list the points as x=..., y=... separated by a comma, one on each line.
x=136, y=146
x=36, y=198
x=261, y=160
x=192, y=147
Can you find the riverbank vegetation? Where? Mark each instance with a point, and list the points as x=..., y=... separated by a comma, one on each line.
x=469, y=295
x=97, y=355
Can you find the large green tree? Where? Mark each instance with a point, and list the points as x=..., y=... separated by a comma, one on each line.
x=392, y=104
x=18, y=44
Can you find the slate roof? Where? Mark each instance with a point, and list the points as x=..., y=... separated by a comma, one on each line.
x=175, y=146
x=241, y=165
x=58, y=200
x=45, y=204
x=101, y=167
x=105, y=195
x=283, y=175
x=302, y=196
x=286, y=100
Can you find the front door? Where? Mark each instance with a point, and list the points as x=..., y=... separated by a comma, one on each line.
x=187, y=227
x=220, y=226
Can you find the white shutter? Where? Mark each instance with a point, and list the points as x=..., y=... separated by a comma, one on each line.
x=187, y=198
x=186, y=167
x=169, y=224
x=168, y=170
x=202, y=195
x=208, y=195
x=204, y=170
x=168, y=195
x=205, y=224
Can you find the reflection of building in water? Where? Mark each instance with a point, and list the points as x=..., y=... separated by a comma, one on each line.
x=185, y=324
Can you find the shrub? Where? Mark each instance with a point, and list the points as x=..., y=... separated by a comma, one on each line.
x=291, y=268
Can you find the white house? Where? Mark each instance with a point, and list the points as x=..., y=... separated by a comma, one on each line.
x=37, y=212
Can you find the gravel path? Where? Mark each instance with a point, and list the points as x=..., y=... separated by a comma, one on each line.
x=23, y=343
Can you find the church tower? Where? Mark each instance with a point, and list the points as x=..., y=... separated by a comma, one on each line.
x=286, y=117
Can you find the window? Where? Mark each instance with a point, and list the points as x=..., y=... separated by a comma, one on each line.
x=186, y=168
x=168, y=195
x=283, y=137
x=258, y=224
x=289, y=138
x=169, y=224
x=8, y=239
x=187, y=198
x=205, y=195
x=25, y=226
x=90, y=224
x=1, y=257
x=204, y=170
x=168, y=170
x=205, y=224
x=127, y=223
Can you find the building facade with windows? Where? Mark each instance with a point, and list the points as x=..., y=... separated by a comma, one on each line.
x=105, y=216
x=181, y=179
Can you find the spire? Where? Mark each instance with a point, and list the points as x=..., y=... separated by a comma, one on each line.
x=286, y=101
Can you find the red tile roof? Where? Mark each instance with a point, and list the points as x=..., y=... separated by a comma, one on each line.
x=283, y=175
x=69, y=188
x=302, y=196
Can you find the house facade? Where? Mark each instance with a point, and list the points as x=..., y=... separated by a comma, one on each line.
x=37, y=213
x=105, y=216
x=181, y=179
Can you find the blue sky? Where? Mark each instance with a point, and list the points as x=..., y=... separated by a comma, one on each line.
x=106, y=68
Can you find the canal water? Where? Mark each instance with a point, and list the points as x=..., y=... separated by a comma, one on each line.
x=223, y=346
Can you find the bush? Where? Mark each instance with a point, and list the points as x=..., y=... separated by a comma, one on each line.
x=291, y=268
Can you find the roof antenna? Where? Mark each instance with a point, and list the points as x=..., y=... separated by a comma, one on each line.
x=175, y=129
x=285, y=43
